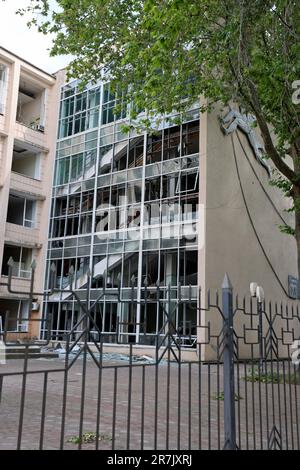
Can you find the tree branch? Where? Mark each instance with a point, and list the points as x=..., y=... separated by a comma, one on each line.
x=287, y=26
x=269, y=145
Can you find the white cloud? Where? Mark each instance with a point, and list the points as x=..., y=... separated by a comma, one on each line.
x=24, y=42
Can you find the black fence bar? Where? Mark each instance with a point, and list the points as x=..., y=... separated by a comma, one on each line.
x=23, y=396
x=99, y=389
x=43, y=410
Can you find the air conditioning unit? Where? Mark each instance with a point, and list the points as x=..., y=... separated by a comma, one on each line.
x=23, y=327
x=40, y=128
x=35, y=306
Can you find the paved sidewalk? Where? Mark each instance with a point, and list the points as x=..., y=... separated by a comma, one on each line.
x=189, y=416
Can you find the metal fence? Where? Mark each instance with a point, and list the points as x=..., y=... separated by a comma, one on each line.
x=238, y=389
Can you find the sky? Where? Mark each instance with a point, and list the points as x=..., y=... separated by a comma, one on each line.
x=24, y=42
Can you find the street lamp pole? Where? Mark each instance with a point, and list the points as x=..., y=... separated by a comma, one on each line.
x=258, y=292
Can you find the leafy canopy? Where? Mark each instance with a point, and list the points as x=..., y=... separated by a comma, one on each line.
x=158, y=51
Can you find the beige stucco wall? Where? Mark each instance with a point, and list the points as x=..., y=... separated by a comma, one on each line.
x=231, y=244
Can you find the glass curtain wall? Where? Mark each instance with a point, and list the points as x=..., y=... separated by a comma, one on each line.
x=124, y=206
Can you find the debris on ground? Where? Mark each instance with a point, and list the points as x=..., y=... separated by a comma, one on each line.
x=112, y=357
x=118, y=357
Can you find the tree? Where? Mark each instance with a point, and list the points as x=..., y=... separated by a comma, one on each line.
x=158, y=51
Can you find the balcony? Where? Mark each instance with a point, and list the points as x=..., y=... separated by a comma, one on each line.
x=31, y=111
x=27, y=169
x=21, y=211
x=21, y=221
x=28, y=134
x=2, y=125
x=17, y=234
x=24, y=184
x=18, y=284
x=3, y=96
x=26, y=160
x=15, y=313
x=22, y=258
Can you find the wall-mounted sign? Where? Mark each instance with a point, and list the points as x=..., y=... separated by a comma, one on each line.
x=235, y=119
x=293, y=287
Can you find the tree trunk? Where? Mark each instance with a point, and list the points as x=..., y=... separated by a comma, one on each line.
x=297, y=234
x=297, y=225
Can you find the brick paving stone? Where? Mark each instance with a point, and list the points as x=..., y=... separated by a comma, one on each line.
x=182, y=419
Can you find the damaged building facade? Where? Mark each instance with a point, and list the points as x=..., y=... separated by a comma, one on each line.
x=179, y=206
x=170, y=209
x=125, y=209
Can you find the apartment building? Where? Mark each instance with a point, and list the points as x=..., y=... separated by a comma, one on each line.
x=177, y=206
x=29, y=100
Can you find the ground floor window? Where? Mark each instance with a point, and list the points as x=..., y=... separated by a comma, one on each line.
x=22, y=258
x=14, y=315
x=124, y=323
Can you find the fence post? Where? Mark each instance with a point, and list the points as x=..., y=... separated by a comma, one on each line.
x=228, y=370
